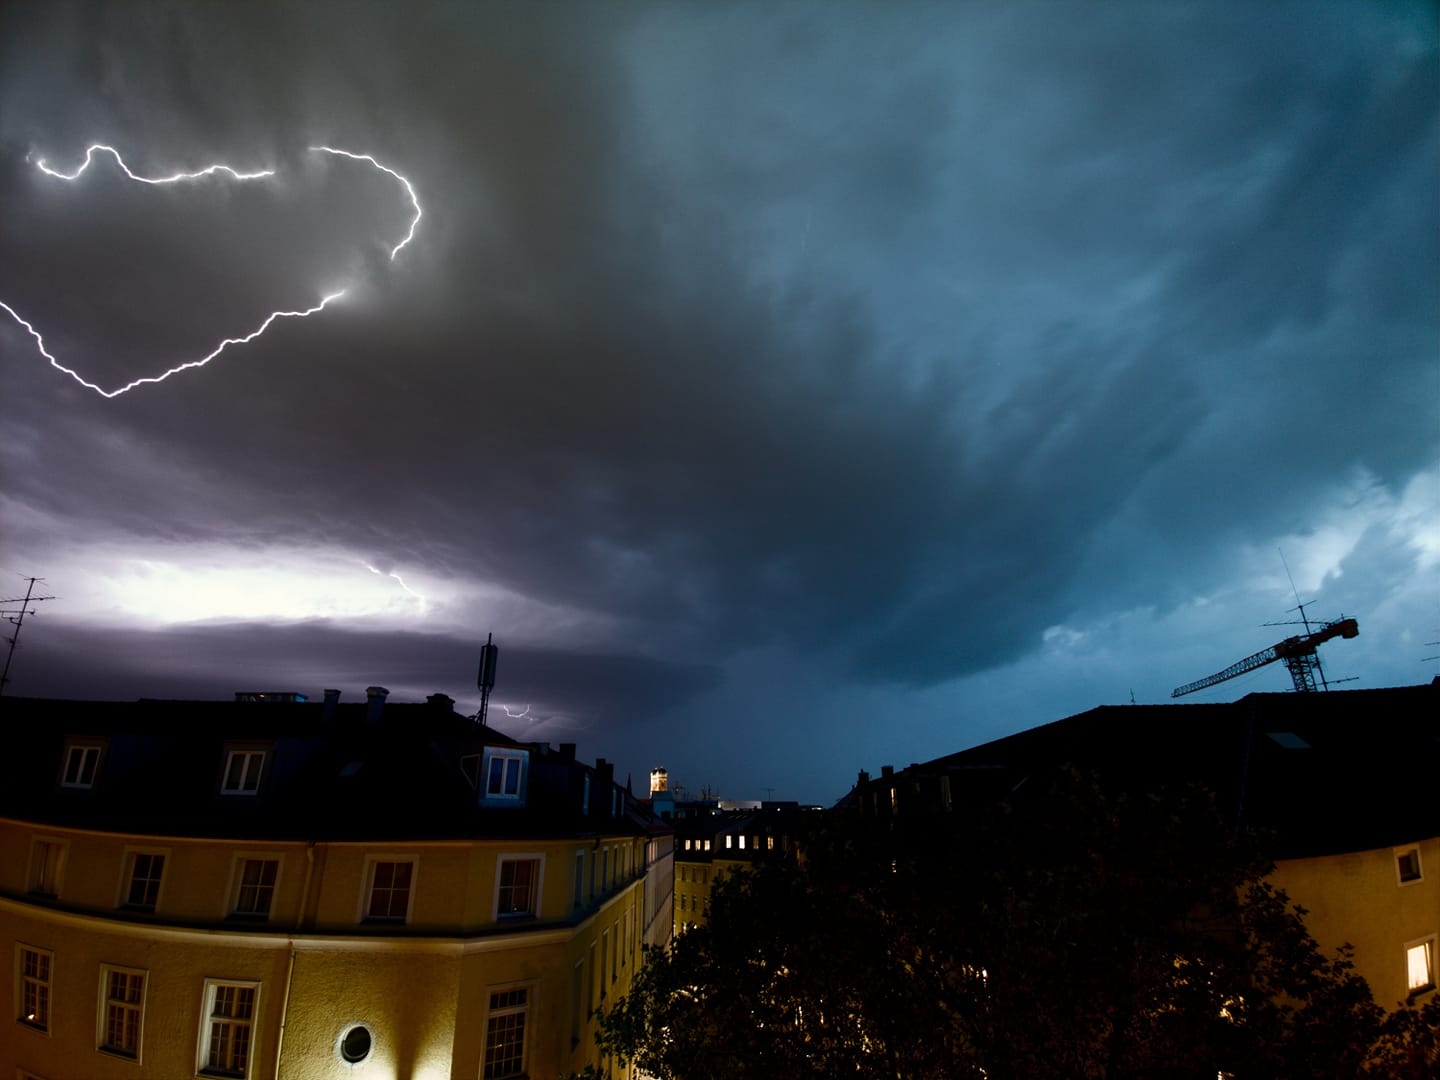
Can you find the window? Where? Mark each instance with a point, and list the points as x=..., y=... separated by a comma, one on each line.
x=47, y=859
x=226, y=1025
x=505, y=1034
x=518, y=886
x=143, y=890
x=242, y=772
x=1420, y=966
x=1407, y=865
x=577, y=1001
x=82, y=760
x=604, y=961
x=579, y=899
x=256, y=887
x=707, y=845
x=585, y=797
x=389, y=892
x=502, y=774
x=33, y=973
x=122, y=1009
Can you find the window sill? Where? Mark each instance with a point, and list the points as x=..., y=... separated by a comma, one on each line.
x=123, y=1055
x=39, y=1029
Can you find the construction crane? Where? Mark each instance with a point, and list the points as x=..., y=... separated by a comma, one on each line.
x=1298, y=653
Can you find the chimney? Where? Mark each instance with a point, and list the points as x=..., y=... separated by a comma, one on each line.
x=605, y=777
x=887, y=771
x=567, y=751
x=327, y=711
x=443, y=702
x=375, y=703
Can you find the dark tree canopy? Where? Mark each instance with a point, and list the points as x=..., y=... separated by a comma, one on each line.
x=1065, y=931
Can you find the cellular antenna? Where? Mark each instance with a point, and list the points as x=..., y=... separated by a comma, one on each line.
x=489, y=653
x=17, y=617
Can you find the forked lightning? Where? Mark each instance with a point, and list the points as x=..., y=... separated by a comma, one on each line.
x=209, y=170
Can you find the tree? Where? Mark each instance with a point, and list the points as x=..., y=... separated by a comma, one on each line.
x=1065, y=931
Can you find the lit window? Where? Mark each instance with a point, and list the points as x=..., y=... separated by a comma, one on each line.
x=256, y=888
x=122, y=992
x=242, y=772
x=742, y=841
x=505, y=1034
x=728, y=840
x=34, y=972
x=389, y=895
x=687, y=844
x=769, y=843
x=226, y=1027
x=1407, y=865
x=47, y=858
x=1420, y=965
x=707, y=845
x=81, y=762
x=143, y=890
x=518, y=888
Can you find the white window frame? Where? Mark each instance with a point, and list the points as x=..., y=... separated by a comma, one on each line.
x=252, y=758
x=366, y=894
x=102, y=1015
x=578, y=898
x=81, y=746
x=1400, y=853
x=238, y=885
x=127, y=879
x=1427, y=944
x=203, y=1043
x=504, y=757
x=45, y=987
x=539, y=884
x=47, y=853
x=492, y=1013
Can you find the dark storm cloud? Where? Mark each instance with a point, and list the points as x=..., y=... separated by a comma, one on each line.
x=884, y=342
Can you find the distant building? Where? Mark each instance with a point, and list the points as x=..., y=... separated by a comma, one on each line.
x=1344, y=782
x=306, y=889
x=709, y=846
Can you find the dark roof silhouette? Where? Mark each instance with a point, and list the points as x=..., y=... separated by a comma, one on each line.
x=1319, y=773
x=334, y=771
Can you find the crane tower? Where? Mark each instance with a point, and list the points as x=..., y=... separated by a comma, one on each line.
x=1298, y=653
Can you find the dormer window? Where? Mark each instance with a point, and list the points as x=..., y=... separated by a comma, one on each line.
x=82, y=762
x=242, y=772
x=502, y=774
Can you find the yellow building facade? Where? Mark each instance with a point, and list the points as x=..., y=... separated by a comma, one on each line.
x=475, y=932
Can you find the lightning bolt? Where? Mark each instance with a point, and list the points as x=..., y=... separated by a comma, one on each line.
x=40, y=344
x=516, y=715
x=415, y=222
x=398, y=578
x=209, y=170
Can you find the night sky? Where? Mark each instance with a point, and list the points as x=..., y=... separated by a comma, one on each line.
x=791, y=389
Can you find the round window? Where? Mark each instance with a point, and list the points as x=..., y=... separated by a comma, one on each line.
x=355, y=1044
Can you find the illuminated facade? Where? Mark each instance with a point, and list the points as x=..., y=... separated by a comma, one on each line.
x=303, y=890
x=709, y=846
x=1343, y=782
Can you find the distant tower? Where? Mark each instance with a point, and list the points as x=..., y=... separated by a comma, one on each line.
x=659, y=780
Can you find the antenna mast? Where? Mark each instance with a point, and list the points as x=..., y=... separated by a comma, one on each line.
x=18, y=618
x=489, y=653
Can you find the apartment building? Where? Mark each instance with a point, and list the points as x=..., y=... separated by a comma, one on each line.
x=273, y=887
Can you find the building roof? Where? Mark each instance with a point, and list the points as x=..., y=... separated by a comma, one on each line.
x=1321, y=773
x=334, y=771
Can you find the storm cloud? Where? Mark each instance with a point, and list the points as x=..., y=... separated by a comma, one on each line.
x=808, y=386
